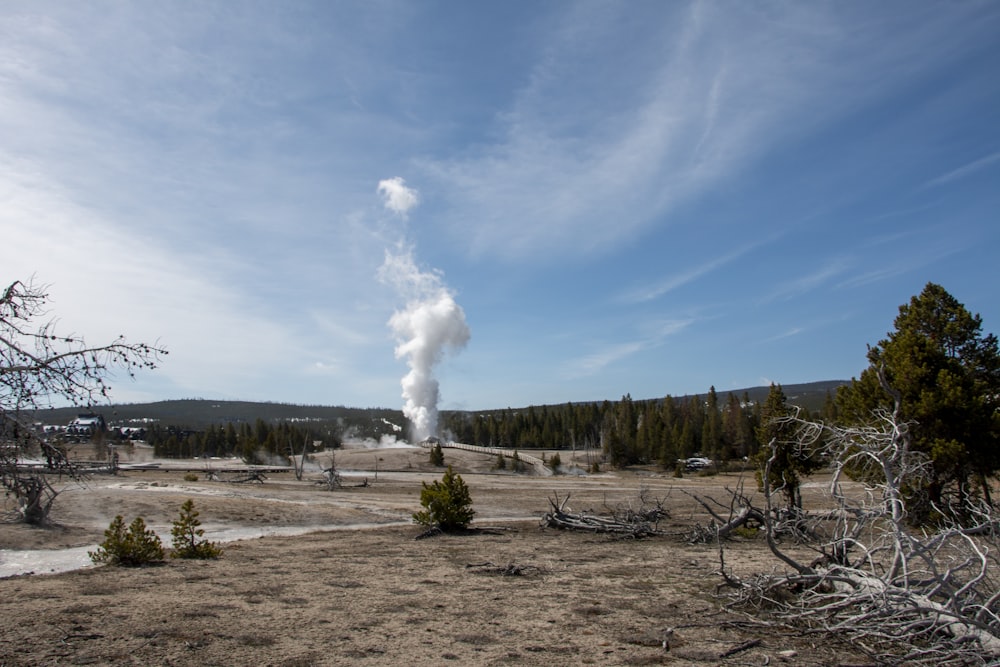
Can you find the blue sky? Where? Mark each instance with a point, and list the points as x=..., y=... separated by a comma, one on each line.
x=635, y=197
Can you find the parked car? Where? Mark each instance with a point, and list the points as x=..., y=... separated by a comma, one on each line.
x=697, y=463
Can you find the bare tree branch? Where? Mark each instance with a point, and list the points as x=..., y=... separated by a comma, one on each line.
x=904, y=596
x=40, y=368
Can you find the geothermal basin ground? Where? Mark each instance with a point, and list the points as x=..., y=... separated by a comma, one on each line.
x=338, y=577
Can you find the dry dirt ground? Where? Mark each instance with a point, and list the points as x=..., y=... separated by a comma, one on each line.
x=362, y=590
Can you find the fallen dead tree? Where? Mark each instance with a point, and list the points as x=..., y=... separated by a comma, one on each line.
x=625, y=521
x=250, y=476
x=741, y=514
x=903, y=596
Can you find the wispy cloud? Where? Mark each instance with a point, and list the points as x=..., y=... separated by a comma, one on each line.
x=911, y=262
x=729, y=84
x=595, y=362
x=656, y=290
x=964, y=171
x=794, y=331
x=788, y=289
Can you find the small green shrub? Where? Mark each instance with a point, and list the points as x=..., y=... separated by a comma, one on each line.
x=555, y=462
x=190, y=477
x=746, y=532
x=501, y=463
x=447, y=503
x=130, y=547
x=188, y=535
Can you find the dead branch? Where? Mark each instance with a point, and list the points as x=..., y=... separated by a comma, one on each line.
x=739, y=648
x=508, y=570
x=902, y=596
x=741, y=513
x=249, y=476
x=626, y=521
x=331, y=477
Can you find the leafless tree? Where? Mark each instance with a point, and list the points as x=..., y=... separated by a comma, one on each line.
x=40, y=368
x=299, y=461
x=331, y=477
x=905, y=596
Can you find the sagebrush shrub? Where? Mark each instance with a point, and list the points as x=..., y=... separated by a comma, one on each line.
x=188, y=536
x=447, y=503
x=129, y=547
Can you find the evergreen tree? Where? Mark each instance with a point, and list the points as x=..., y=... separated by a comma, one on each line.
x=947, y=375
x=711, y=430
x=447, y=503
x=188, y=536
x=788, y=461
x=131, y=547
x=437, y=455
x=737, y=429
x=231, y=439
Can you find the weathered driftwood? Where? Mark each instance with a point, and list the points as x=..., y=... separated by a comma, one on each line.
x=626, y=522
x=249, y=476
x=903, y=596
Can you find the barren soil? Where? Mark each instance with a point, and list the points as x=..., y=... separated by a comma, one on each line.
x=362, y=590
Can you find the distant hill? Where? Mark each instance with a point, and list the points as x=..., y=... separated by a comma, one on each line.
x=810, y=395
x=198, y=413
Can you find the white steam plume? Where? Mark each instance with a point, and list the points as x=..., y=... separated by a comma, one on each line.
x=397, y=197
x=430, y=324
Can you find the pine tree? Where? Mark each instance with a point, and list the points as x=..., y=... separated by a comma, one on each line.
x=447, y=503
x=947, y=374
x=129, y=547
x=788, y=461
x=188, y=536
x=711, y=430
x=437, y=455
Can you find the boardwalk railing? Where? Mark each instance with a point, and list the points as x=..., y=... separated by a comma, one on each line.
x=539, y=465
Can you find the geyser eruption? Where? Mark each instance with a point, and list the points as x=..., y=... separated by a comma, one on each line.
x=430, y=324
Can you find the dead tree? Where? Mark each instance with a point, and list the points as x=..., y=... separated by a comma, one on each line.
x=37, y=368
x=903, y=596
x=300, y=461
x=257, y=476
x=625, y=521
x=331, y=478
x=739, y=513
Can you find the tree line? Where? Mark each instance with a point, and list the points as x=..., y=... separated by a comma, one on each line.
x=257, y=443
x=626, y=431
x=937, y=370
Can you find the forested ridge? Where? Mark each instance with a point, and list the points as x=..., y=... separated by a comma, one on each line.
x=630, y=431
